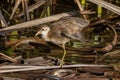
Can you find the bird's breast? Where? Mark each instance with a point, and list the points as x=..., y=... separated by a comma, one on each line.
x=45, y=37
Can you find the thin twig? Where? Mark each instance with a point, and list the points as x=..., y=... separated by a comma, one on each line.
x=28, y=68
x=107, y=5
x=32, y=7
x=80, y=7
x=3, y=21
x=8, y=58
x=14, y=9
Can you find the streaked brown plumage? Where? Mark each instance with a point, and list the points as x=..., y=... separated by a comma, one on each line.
x=64, y=30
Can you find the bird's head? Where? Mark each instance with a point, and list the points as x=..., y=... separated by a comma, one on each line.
x=43, y=30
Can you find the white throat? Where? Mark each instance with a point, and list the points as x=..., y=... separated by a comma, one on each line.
x=45, y=35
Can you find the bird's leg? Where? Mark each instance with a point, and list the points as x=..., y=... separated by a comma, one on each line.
x=63, y=45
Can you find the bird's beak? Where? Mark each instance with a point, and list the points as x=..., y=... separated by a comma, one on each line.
x=38, y=33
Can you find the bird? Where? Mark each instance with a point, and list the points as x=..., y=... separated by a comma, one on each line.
x=62, y=31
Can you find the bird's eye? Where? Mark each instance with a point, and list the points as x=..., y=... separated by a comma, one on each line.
x=42, y=29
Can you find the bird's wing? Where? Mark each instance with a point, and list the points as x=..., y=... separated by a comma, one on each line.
x=79, y=37
x=65, y=27
x=58, y=38
x=76, y=36
x=81, y=22
x=69, y=28
x=60, y=30
x=76, y=20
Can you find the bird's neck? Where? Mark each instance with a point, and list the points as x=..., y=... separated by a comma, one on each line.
x=45, y=36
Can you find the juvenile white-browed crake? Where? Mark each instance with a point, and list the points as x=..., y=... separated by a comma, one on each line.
x=64, y=30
